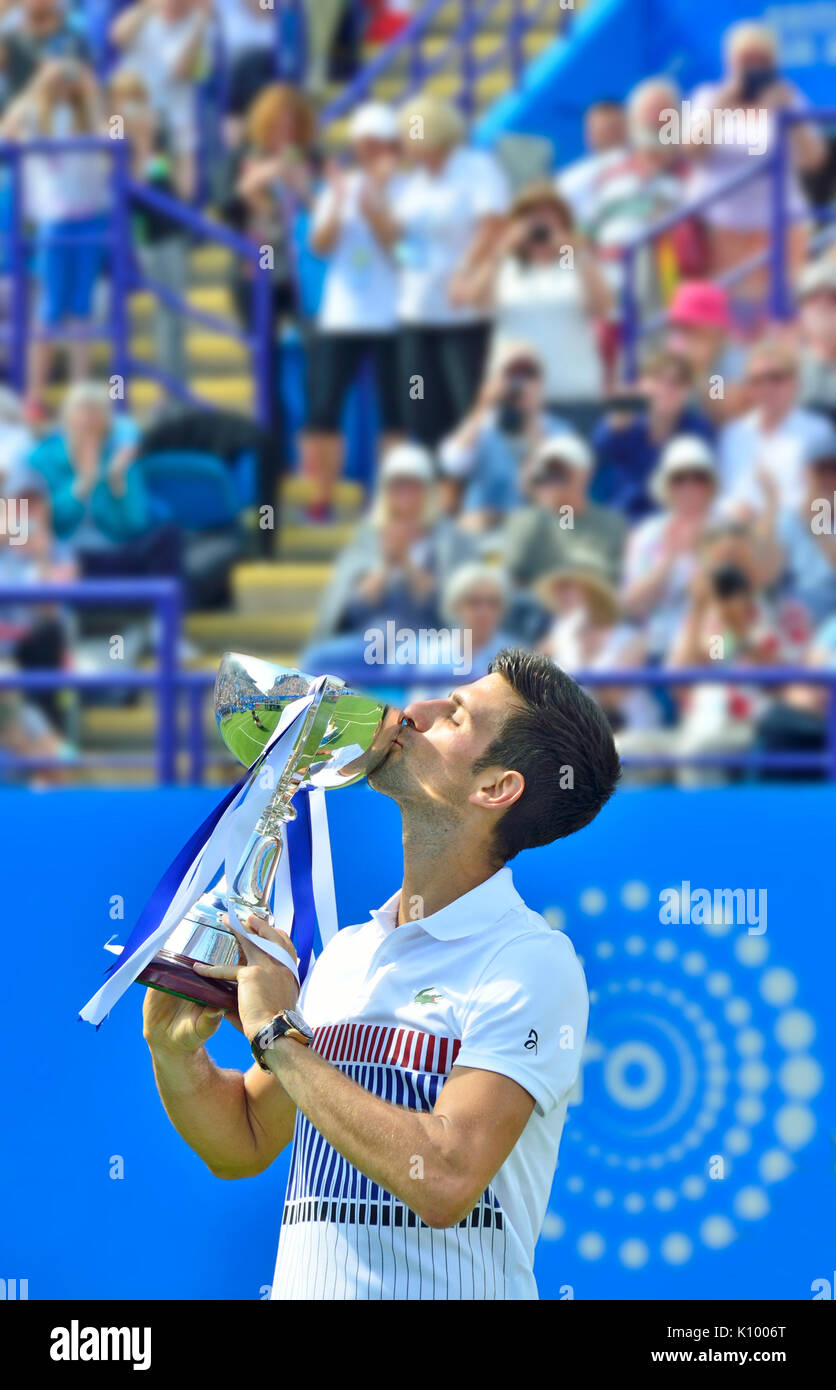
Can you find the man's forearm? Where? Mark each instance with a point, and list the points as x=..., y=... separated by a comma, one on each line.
x=407, y=1152
x=210, y=1108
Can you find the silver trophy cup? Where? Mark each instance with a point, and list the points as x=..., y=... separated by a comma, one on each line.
x=343, y=736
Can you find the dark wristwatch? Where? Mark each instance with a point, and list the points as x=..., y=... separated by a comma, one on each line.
x=287, y=1024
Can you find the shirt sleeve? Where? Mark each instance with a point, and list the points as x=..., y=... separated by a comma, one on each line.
x=527, y=1016
x=490, y=189
x=322, y=207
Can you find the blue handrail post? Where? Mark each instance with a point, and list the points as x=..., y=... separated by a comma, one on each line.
x=629, y=315
x=416, y=65
x=121, y=269
x=168, y=609
x=264, y=355
x=779, y=288
x=18, y=268
x=515, y=39
x=467, y=96
x=197, y=742
x=291, y=42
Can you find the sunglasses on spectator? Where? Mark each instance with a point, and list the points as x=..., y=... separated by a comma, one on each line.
x=774, y=378
x=552, y=473
x=481, y=601
x=523, y=371
x=690, y=475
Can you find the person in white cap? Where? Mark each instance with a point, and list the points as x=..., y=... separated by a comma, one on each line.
x=397, y=560
x=560, y=521
x=662, y=550
x=357, y=320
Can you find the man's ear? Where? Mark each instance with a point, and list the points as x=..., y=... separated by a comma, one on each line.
x=497, y=789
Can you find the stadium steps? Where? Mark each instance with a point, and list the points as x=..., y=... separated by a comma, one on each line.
x=349, y=498
x=251, y=632
x=279, y=588
x=490, y=42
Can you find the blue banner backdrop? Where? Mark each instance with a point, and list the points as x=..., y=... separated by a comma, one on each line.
x=698, y=1157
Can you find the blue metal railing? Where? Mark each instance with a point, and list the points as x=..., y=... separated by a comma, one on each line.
x=170, y=683
x=408, y=48
x=197, y=683
x=164, y=597
x=773, y=166
x=126, y=278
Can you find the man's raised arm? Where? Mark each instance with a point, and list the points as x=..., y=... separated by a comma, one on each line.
x=237, y=1123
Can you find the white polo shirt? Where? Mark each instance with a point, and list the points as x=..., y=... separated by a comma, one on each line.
x=483, y=983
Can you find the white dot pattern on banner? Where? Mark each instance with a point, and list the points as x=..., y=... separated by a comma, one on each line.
x=591, y=1245
x=635, y=895
x=701, y=1024
x=634, y=1253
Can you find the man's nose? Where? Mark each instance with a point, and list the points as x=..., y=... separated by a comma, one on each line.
x=422, y=714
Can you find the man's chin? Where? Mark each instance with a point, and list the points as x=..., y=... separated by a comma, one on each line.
x=387, y=776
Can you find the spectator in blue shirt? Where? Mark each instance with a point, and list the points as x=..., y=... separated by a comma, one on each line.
x=483, y=460
x=98, y=497
x=806, y=535
x=629, y=444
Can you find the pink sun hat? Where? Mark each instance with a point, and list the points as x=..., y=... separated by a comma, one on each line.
x=699, y=304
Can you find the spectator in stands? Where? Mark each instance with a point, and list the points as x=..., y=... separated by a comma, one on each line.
x=662, y=549
x=67, y=198
x=773, y=437
x=587, y=634
x=817, y=335
x=161, y=244
x=167, y=43
x=605, y=137
x=99, y=500
x=475, y=600
x=797, y=720
x=482, y=461
x=399, y=559
x=634, y=192
x=739, y=224
x=808, y=534
x=727, y=621
x=270, y=184
x=546, y=289
x=16, y=442
x=450, y=209
x=560, y=521
x=699, y=327
x=33, y=636
x=628, y=442
x=248, y=42
x=35, y=32
x=357, y=320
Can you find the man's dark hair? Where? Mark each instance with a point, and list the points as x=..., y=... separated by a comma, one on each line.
x=561, y=742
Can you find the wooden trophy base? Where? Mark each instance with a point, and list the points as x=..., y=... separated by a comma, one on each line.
x=174, y=975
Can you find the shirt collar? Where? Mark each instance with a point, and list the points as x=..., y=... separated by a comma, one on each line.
x=482, y=907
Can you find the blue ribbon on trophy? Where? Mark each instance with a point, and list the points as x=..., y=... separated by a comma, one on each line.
x=269, y=834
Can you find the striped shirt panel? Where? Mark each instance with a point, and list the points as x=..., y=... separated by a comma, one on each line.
x=343, y=1236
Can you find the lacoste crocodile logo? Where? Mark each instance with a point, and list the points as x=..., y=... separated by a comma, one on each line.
x=428, y=996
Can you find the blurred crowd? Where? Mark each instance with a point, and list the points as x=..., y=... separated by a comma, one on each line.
x=526, y=491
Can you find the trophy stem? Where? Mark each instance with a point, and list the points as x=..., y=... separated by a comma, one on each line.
x=251, y=889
